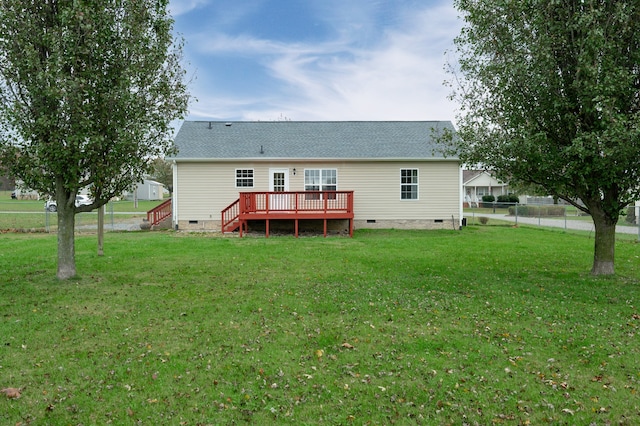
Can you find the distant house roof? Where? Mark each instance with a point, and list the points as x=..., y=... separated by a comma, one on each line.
x=468, y=175
x=358, y=140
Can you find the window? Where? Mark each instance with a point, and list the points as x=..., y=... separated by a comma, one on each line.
x=408, y=184
x=244, y=178
x=320, y=180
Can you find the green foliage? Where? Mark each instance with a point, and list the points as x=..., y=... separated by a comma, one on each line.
x=511, y=198
x=162, y=171
x=549, y=100
x=88, y=91
x=196, y=329
x=488, y=198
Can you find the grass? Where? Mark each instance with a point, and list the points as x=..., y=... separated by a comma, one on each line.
x=31, y=215
x=489, y=325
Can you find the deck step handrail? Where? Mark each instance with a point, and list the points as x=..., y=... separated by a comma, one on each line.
x=159, y=213
x=230, y=214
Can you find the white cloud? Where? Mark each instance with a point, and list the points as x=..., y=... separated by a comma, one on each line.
x=180, y=7
x=345, y=78
x=399, y=79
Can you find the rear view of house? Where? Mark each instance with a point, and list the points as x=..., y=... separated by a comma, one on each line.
x=394, y=174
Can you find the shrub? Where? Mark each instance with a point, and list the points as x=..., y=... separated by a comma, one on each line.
x=504, y=201
x=511, y=198
x=535, y=211
x=488, y=198
x=552, y=211
x=483, y=220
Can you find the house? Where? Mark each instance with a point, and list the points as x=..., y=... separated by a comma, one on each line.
x=393, y=173
x=478, y=183
x=147, y=190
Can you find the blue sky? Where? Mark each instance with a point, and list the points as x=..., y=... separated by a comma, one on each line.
x=317, y=59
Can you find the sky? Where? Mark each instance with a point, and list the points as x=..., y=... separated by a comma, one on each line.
x=317, y=60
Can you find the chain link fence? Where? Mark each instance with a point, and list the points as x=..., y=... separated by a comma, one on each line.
x=33, y=216
x=551, y=215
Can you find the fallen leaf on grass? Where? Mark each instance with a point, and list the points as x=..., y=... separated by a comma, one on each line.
x=12, y=393
x=347, y=345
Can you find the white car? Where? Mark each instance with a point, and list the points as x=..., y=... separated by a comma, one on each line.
x=51, y=205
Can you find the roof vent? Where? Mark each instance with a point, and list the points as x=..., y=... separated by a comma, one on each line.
x=210, y=125
x=261, y=149
x=227, y=124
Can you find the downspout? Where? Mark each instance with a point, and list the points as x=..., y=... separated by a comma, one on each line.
x=174, y=197
x=461, y=196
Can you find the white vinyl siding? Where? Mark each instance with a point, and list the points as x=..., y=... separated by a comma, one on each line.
x=204, y=189
x=376, y=197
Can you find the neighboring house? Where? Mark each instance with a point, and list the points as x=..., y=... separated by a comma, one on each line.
x=396, y=171
x=478, y=183
x=147, y=190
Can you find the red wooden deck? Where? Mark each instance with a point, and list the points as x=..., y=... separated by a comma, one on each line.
x=296, y=206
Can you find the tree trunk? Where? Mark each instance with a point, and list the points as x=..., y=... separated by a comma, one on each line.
x=66, y=242
x=101, y=231
x=605, y=245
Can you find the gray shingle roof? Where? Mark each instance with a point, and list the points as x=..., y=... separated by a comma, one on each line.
x=310, y=140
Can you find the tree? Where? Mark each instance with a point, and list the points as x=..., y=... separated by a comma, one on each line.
x=550, y=97
x=162, y=171
x=88, y=89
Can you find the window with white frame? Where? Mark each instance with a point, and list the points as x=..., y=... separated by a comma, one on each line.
x=408, y=184
x=244, y=178
x=321, y=180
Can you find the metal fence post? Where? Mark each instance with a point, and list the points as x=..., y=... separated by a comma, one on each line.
x=539, y=214
x=111, y=213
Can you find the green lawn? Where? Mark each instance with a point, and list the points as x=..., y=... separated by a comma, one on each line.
x=9, y=205
x=31, y=215
x=488, y=325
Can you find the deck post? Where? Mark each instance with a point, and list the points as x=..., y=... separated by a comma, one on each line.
x=325, y=227
x=296, y=226
x=267, y=228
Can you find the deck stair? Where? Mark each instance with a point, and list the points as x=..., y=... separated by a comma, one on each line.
x=231, y=221
x=160, y=213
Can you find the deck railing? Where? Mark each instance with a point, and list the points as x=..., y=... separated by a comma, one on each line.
x=159, y=213
x=297, y=205
x=301, y=202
